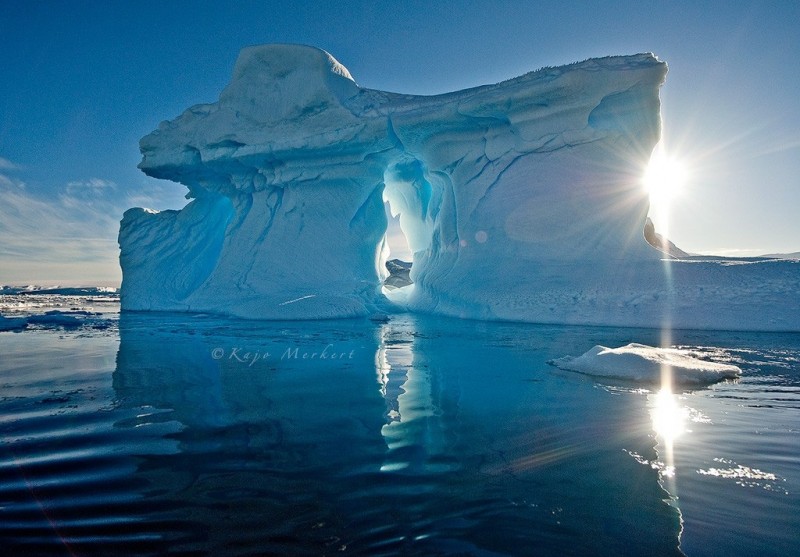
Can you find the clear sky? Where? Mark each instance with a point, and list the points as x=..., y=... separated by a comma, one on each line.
x=81, y=82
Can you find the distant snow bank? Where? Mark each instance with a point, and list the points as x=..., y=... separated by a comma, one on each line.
x=644, y=364
x=62, y=290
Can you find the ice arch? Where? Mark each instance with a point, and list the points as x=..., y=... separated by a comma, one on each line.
x=414, y=198
x=521, y=199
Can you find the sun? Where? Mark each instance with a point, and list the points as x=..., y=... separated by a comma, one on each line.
x=664, y=178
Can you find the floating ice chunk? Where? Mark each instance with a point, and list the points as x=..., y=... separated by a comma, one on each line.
x=641, y=363
x=56, y=318
x=12, y=323
x=51, y=319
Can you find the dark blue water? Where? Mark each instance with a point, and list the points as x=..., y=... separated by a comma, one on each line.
x=423, y=436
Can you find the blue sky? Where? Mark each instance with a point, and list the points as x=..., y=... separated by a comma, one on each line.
x=83, y=81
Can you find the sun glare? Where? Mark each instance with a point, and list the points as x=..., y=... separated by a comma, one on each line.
x=664, y=177
x=664, y=180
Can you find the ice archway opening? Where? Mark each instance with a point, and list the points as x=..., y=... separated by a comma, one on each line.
x=412, y=201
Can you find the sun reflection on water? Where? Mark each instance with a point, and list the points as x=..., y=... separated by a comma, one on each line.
x=669, y=423
x=669, y=418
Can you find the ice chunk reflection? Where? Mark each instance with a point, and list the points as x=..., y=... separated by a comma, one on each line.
x=413, y=430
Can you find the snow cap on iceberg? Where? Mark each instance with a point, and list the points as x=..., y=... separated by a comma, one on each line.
x=647, y=364
x=284, y=84
x=279, y=98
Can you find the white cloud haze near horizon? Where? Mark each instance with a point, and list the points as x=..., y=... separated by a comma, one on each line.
x=69, y=239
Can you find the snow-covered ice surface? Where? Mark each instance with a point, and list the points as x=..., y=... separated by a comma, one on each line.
x=647, y=364
x=180, y=433
x=43, y=291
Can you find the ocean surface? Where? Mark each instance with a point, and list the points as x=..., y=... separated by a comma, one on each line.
x=143, y=434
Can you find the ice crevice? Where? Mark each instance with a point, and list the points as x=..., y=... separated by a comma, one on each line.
x=518, y=200
x=496, y=181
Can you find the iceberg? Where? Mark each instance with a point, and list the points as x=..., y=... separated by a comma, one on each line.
x=519, y=200
x=399, y=274
x=647, y=364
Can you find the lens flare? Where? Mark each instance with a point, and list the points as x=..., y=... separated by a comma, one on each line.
x=664, y=179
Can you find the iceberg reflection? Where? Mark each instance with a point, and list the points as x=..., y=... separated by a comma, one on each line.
x=435, y=437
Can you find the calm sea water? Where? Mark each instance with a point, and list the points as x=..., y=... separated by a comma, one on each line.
x=421, y=436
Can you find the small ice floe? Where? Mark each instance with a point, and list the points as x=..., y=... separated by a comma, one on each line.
x=55, y=319
x=12, y=323
x=645, y=364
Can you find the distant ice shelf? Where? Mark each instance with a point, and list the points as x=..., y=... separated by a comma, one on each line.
x=519, y=200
